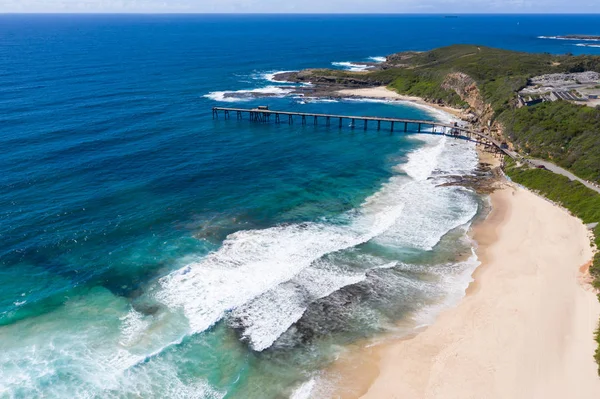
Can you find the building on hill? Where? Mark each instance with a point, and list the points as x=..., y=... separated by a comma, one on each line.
x=522, y=102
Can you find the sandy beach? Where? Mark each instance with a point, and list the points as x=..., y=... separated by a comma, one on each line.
x=524, y=330
x=386, y=94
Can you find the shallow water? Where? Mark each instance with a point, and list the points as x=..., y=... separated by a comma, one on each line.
x=149, y=251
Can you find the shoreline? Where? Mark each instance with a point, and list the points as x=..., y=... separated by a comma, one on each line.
x=383, y=93
x=523, y=330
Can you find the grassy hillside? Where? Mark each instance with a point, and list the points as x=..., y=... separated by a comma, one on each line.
x=499, y=74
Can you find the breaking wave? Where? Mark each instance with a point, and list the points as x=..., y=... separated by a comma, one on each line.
x=263, y=281
x=248, y=95
x=270, y=76
x=569, y=38
x=351, y=66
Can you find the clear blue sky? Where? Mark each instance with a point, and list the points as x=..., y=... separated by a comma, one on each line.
x=304, y=6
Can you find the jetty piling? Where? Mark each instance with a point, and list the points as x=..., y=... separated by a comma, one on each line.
x=450, y=130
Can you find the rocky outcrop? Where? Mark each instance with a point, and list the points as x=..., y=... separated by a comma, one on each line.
x=399, y=59
x=486, y=179
x=327, y=77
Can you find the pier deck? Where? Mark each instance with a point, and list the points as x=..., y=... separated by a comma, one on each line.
x=407, y=125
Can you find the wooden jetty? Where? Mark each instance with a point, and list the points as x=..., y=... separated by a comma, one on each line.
x=263, y=114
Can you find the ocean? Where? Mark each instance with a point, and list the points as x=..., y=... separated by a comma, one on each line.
x=149, y=251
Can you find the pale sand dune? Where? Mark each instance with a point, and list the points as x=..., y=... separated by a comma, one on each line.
x=525, y=329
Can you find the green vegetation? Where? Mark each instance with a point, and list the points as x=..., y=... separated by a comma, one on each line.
x=595, y=269
x=498, y=73
x=577, y=198
x=430, y=88
x=565, y=133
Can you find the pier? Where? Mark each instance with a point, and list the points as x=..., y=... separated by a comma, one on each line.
x=263, y=114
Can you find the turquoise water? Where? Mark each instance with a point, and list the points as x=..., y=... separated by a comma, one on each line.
x=149, y=251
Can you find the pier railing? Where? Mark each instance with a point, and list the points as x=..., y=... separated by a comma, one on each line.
x=393, y=124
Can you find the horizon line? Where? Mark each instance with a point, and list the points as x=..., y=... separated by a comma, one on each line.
x=285, y=13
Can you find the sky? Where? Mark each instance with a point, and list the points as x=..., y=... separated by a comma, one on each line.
x=301, y=6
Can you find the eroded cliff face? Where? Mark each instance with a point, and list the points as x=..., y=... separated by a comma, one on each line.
x=468, y=91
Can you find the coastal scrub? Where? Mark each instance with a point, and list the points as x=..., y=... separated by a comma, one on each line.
x=564, y=133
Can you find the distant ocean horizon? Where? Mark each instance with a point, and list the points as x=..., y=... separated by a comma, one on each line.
x=148, y=250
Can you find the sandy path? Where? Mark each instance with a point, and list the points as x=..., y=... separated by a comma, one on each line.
x=525, y=330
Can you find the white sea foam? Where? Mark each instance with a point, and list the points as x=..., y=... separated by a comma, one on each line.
x=270, y=315
x=378, y=59
x=305, y=100
x=76, y=353
x=250, y=263
x=587, y=45
x=133, y=326
x=569, y=38
x=248, y=95
x=351, y=66
x=304, y=391
x=430, y=211
x=455, y=280
x=423, y=161
x=270, y=76
x=160, y=379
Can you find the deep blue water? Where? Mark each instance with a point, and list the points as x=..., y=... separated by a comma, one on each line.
x=118, y=190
